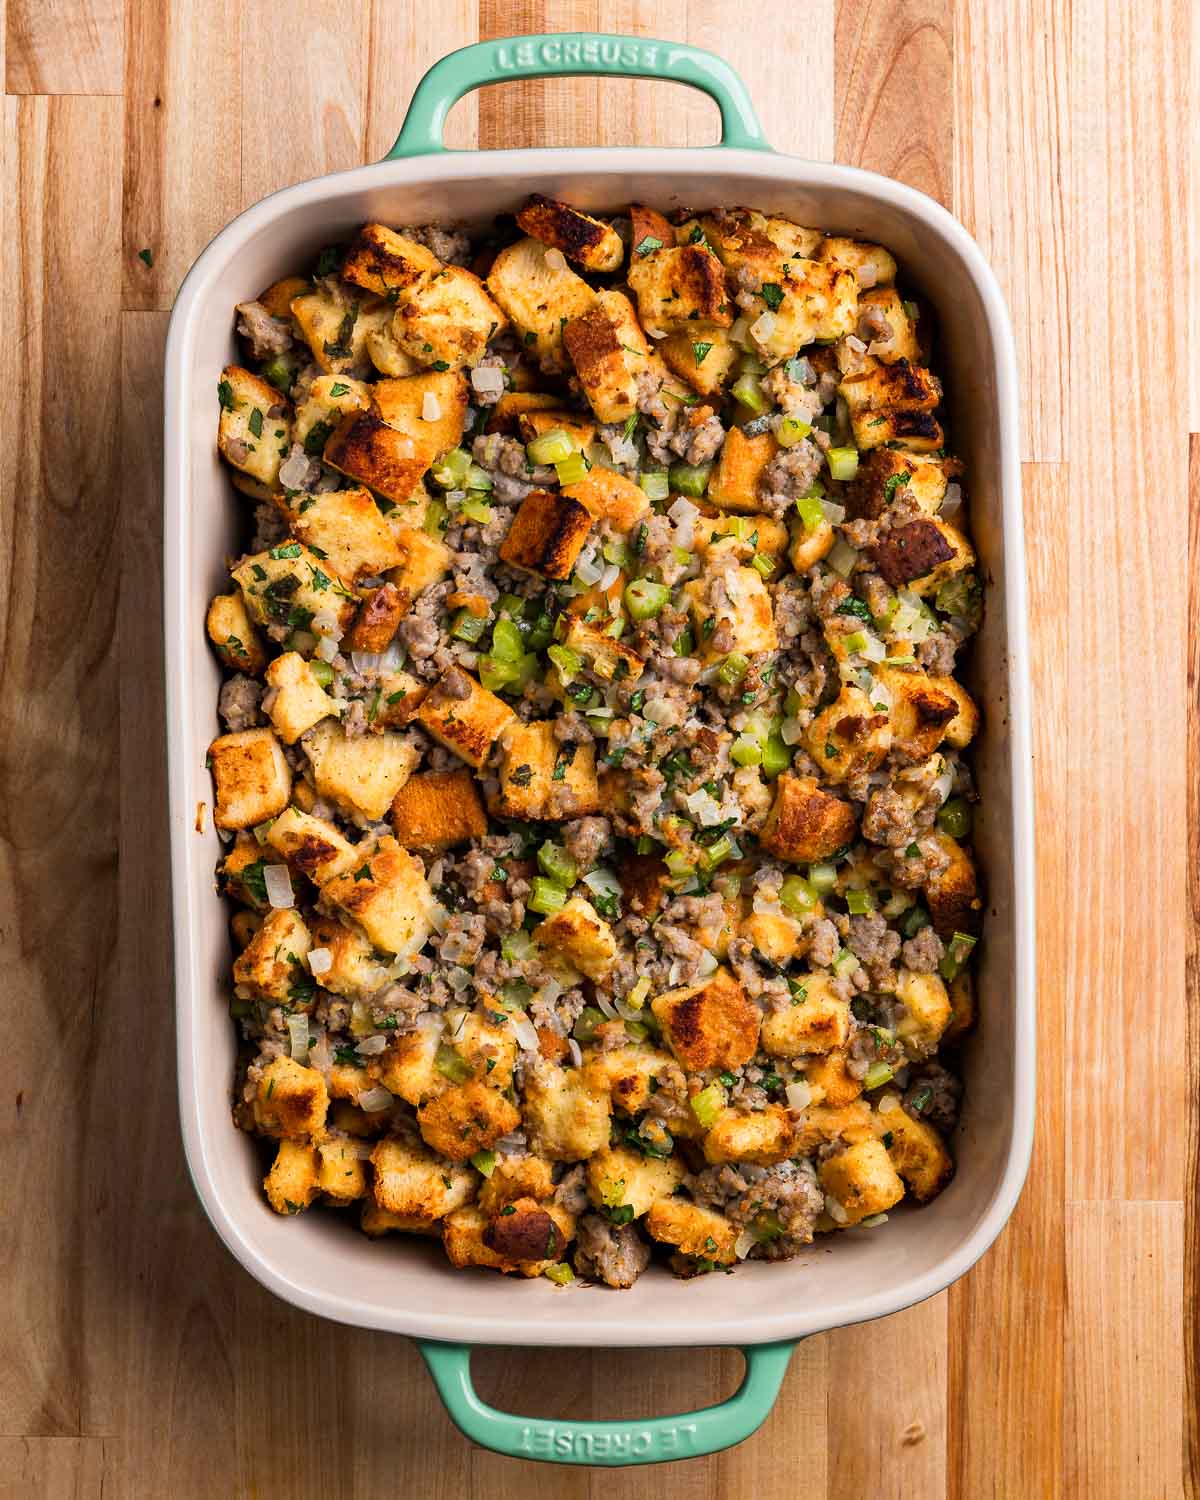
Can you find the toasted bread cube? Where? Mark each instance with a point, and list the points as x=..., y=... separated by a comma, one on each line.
x=382, y=261
x=746, y=240
x=814, y=302
x=348, y=1080
x=626, y=1073
x=862, y=1181
x=331, y=323
x=361, y=775
x=290, y=1101
x=384, y=351
x=277, y=299
x=922, y=554
x=699, y=1232
x=288, y=584
x=703, y=355
x=917, y=1151
x=471, y=1238
x=340, y=1171
x=248, y=437
x=237, y=642
x=608, y=658
x=610, y=354
x=748, y=615
x=241, y=872
x=746, y=536
x=849, y=737
x=387, y=898
x=329, y=399
x=678, y=285
x=412, y=1182
x=902, y=342
x=808, y=547
x=734, y=482
x=817, y=1020
x=888, y=474
x=293, y=1181
x=347, y=527
x=252, y=779
x=437, y=810
x=464, y=716
x=762, y=1137
x=375, y=1222
x=856, y=256
x=409, y=1068
x=954, y=555
x=431, y=408
x=962, y=1006
x=893, y=403
x=311, y=845
x=488, y=1047
x=713, y=1024
x=806, y=824
x=953, y=896
x=445, y=317
x=609, y=496
x=377, y=621
x=507, y=412
x=541, y=779
x=618, y=1177
x=273, y=961
x=830, y=1079
x=424, y=561
x=927, y=1007
x=540, y=297
x=365, y=448
x=578, y=937
x=588, y=242
x=515, y=1177
x=547, y=534
x=644, y=879
x=355, y=968
x=776, y=936
x=297, y=700
x=566, y=1113
x=821, y=1124
x=353, y=1121
x=399, y=700
x=466, y=1118
x=921, y=713
x=964, y=726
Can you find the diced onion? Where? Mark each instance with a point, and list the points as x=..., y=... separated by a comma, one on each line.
x=524, y=1031
x=371, y=1046
x=743, y=1245
x=374, y=1100
x=439, y=916
x=802, y=371
x=431, y=407
x=952, y=499
x=555, y=259
x=675, y=972
x=458, y=979
x=488, y=380
x=799, y=1096
x=297, y=1026
x=365, y=661
x=942, y=785
x=867, y=274
x=602, y=882
x=573, y=1049
x=319, y=1056
x=609, y=576
x=872, y=1221
x=429, y=1020
x=588, y=569
x=874, y=650
x=660, y=711
x=834, y=513
x=763, y=327
x=842, y=558
x=740, y=331
x=514, y=1141
x=278, y=883
x=325, y=622
x=320, y=960
x=888, y=1103
x=791, y=731
x=327, y=648
x=707, y=964
x=606, y=1005
x=835, y=1210
x=547, y=993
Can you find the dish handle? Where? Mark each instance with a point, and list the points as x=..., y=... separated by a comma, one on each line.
x=570, y=54
x=652, y=1440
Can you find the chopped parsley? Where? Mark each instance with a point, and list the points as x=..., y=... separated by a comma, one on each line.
x=146, y=256
x=892, y=484
x=647, y=245
x=772, y=294
x=363, y=873
x=225, y=396
x=339, y=389
x=289, y=549
x=256, y=420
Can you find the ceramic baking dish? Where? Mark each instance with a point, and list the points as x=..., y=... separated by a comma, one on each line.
x=406, y=1286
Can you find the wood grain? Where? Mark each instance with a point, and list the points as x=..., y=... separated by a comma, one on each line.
x=1191, y=1283
x=64, y=47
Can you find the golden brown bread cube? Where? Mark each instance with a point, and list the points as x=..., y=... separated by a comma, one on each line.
x=329, y=399
x=515, y=1177
x=703, y=355
x=312, y=845
x=645, y=880
x=382, y=261
x=809, y=544
x=964, y=726
x=893, y=403
x=926, y=1012
x=734, y=482
x=849, y=737
x=431, y=408
x=921, y=713
x=289, y=584
x=812, y=301
x=293, y=1181
x=253, y=781
x=747, y=614
x=424, y=560
x=589, y=242
x=747, y=536
x=340, y=1171
x=618, y=1177
x=609, y=496
x=488, y=1046
x=899, y=340
x=698, y=1232
x=607, y=657
x=610, y=354
x=626, y=1073
x=272, y=963
x=409, y=1068
x=566, y=1112
x=355, y=968
x=386, y=898
x=578, y=937
x=466, y=1118
x=334, y=324
x=290, y=1101
x=878, y=264
x=248, y=437
x=241, y=872
x=540, y=294
x=822, y=1124
x=746, y=240
x=917, y=1151
x=762, y=1137
x=713, y=1024
x=377, y=620
x=463, y=1236
x=277, y=299
x=806, y=824
x=297, y=700
x=414, y=1183
x=830, y=1079
x=676, y=285
x=361, y=774
x=507, y=412
x=464, y=716
x=235, y=639
x=861, y=1181
x=775, y=935
x=437, y=810
x=349, y=529
x=445, y=317
x=376, y=1221
x=536, y=424
x=541, y=779
x=962, y=1006
x=817, y=1020
x=547, y=534
x=885, y=475
x=953, y=896
x=365, y=448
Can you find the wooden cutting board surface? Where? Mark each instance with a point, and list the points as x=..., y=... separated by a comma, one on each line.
x=139, y=1360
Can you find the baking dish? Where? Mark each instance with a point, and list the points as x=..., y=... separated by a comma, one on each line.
x=408, y=1288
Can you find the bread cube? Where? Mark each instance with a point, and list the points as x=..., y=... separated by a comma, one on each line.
x=748, y=615
x=271, y=965
x=678, y=285
x=252, y=779
x=409, y=1068
x=329, y=399
x=330, y=322
x=588, y=242
x=817, y=1020
x=893, y=403
x=277, y=299
x=779, y=938
x=962, y=1006
x=387, y=899
x=365, y=448
x=618, y=1177
x=347, y=1080
x=927, y=1007
x=382, y=261
x=398, y=700
x=540, y=297
x=566, y=1113
x=543, y=780
x=964, y=726
x=507, y=412
x=746, y=240
x=361, y=775
x=698, y=1232
x=377, y=620
x=466, y=1118
x=345, y=527
x=713, y=1024
x=240, y=873
x=645, y=880
x=762, y=1137
x=235, y=639
x=248, y=436
x=917, y=1151
x=293, y=1181
x=809, y=546
x=289, y=584
x=445, y=317
x=488, y=1046
x=609, y=496
x=830, y=1079
x=356, y=970
x=811, y=301
x=921, y=713
x=290, y=1101
x=849, y=737
x=861, y=1181
x=626, y=1073
x=703, y=355
x=821, y=1125
x=471, y=1238
x=515, y=1177
x=412, y=1182
x=747, y=536
x=734, y=482
x=888, y=474
x=340, y=1171
x=311, y=845
x=953, y=896
x=464, y=716
x=606, y=657
x=297, y=700
x=806, y=824
x=902, y=341
x=384, y=351
x=578, y=937
x=375, y=1222
x=547, y=534
x=424, y=561
x=610, y=354
x=858, y=256
x=437, y=810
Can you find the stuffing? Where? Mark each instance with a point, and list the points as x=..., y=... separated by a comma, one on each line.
x=541, y=778
x=464, y=716
x=703, y=355
x=312, y=846
x=577, y=937
x=808, y=302
x=445, y=318
x=437, y=810
x=920, y=714
x=953, y=895
x=382, y=261
x=611, y=355
x=235, y=639
x=248, y=436
x=547, y=534
x=407, y=1180
x=701, y=1233
x=293, y=1181
x=856, y=256
x=251, y=778
x=297, y=700
x=272, y=965
x=377, y=620
x=540, y=295
x=386, y=898
x=917, y=1151
x=893, y=403
x=926, y=1012
x=806, y=823
x=713, y=1024
x=761, y=1137
x=566, y=1113
x=424, y=561
x=678, y=284
x=861, y=1181
x=618, y=1177
x=290, y=1101
x=627, y=1073
x=466, y=1118
x=362, y=774
x=731, y=614
x=886, y=475
x=346, y=530
x=589, y=242
x=328, y=400
x=408, y=1069
x=850, y=737
x=288, y=585
x=466, y=1236
x=734, y=482
x=606, y=657
x=816, y=1021
x=331, y=321
x=609, y=496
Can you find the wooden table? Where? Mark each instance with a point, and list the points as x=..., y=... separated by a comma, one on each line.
x=139, y=1361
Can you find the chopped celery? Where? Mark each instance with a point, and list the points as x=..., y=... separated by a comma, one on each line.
x=541, y=632
x=551, y=448
x=822, y=877
x=843, y=463
x=512, y=605
x=435, y=518
x=958, y=951
x=858, y=903
x=809, y=510
x=791, y=431
x=954, y=818
x=733, y=669
x=844, y=962
x=485, y=1162
x=877, y=1075
x=855, y=642
x=567, y=661
x=554, y=861
x=645, y=599
x=585, y=1025
x=746, y=751
x=547, y=898
x=842, y=558
x=762, y=565
x=707, y=1105
x=616, y=552
x=517, y=945
x=468, y=627
x=685, y=643
x=281, y=372
x=637, y=1031
x=636, y=997
x=478, y=479
x=507, y=642
x=690, y=479
x=749, y=393
x=716, y=853
x=451, y=1064
x=560, y=1273
x=777, y=756
x=450, y=471
x=516, y=994
x=798, y=896
x=322, y=671
x=645, y=844
x=572, y=469
x=496, y=674
x=476, y=510
x=679, y=864
x=655, y=484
